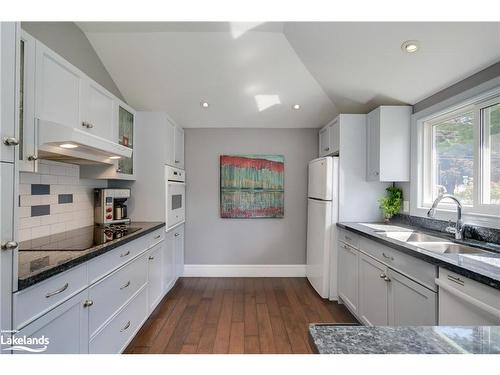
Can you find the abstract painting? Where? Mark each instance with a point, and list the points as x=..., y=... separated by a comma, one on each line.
x=252, y=186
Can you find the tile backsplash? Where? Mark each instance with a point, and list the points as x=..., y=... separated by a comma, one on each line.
x=55, y=200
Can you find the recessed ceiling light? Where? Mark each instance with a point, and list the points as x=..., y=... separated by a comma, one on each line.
x=410, y=46
x=115, y=157
x=68, y=145
x=296, y=106
x=204, y=104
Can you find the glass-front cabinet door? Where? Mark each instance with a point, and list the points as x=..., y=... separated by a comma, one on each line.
x=126, y=138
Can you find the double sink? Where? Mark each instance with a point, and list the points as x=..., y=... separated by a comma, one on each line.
x=423, y=241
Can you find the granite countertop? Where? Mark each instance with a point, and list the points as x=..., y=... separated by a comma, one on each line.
x=37, y=265
x=334, y=339
x=483, y=267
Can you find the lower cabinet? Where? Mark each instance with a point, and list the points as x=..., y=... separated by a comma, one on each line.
x=373, y=292
x=179, y=250
x=155, y=277
x=348, y=276
x=379, y=295
x=168, y=262
x=66, y=328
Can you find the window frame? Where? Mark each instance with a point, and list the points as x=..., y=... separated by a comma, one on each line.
x=477, y=99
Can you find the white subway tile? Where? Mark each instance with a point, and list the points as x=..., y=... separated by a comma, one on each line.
x=29, y=178
x=24, y=234
x=49, y=199
x=30, y=200
x=24, y=189
x=24, y=212
x=29, y=222
x=67, y=180
x=41, y=231
x=48, y=179
x=43, y=168
x=58, y=170
x=57, y=228
x=48, y=219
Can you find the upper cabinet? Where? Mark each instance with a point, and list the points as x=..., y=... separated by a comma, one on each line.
x=58, y=89
x=175, y=143
x=99, y=110
x=329, y=138
x=388, y=144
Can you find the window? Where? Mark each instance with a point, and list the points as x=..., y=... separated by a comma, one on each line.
x=461, y=156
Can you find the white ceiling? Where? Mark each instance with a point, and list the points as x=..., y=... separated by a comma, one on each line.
x=252, y=73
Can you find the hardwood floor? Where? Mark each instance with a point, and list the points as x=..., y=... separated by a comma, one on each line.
x=236, y=315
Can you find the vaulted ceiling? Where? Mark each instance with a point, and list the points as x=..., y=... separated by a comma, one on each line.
x=251, y=74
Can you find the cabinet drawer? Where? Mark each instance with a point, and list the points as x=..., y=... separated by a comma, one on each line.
x=349, y=238
x=156, y=236
x=417, y=269
x=35, y=301
x=112, y=292
x=106, y=263
x=120, y=330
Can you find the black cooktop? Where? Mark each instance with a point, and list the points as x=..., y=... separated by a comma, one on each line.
x=77, y=239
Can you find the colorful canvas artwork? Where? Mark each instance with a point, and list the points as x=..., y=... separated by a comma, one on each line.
x=252, y=186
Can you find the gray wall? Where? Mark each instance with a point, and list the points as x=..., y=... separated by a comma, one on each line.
x=212, y=240
x=66, y=39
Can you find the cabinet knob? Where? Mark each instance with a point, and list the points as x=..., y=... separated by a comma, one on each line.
x=10, y=141
x=88, y=303
x=327, y=149
x=9, y=245
x=377, y=173
x=177, y=235
x=90, y=126
x=32, y=158
x=151, y=257
x=383, y=275
x=176, y=161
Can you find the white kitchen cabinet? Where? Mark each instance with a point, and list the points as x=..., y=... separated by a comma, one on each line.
x=66, y=327
x=8, y=74
x=59, y=87
x=155, y=276
x=348, y=276
x=169, y=271
x=373, y=291
x=329, y=139
x=179, y=250
x=28, y=147
x=410, y=304
x=388, y=144
x=98, y=110
x=179, y=147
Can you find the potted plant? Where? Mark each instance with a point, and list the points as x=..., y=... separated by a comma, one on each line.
x=391, y=203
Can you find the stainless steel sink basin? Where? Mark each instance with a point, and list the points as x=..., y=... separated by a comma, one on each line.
x=448, y=248
x=411, y=237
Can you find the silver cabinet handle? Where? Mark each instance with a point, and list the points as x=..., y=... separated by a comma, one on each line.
x=327, y=149
x=125, y=254
x=387, y=279
x=126, y=285
x=387, y=256
x=87, y=125
x=84, y=124
x=90, y=126
x=48, y=295
x=151, y=257
x=177, y=234
x=157, y=236
x=10, y=141
x=10, y=245
x=32, y=158
x=126, y=326
x=88, y=303
x=176, y=161
x=383, y=275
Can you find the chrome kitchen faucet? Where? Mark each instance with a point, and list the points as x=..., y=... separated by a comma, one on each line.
x=458, y=230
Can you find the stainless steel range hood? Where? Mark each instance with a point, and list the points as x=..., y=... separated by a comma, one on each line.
x=90, y=149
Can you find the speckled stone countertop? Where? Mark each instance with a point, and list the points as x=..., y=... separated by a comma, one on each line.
x=332, y=339
x=37, y=265
x=482, y=266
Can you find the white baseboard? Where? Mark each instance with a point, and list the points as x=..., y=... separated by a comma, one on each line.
x=244, y=270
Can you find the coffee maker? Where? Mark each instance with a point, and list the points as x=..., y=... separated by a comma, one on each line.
x=110, y=207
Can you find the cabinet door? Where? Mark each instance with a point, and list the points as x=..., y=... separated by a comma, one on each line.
x=126, y=137
x=179, y=147
x=373, y=145
x=372, y=292
x=179, y=250
x=170, y=144
x=58, y=89
x=335, y=137
x=7, y=179
x=98, y=110
x=66, y=327
x=324, y=141
x=8, y=46
x=155, y=282
x=348, y=276
x=168, y=270
x=410, y=304
x=28, y=147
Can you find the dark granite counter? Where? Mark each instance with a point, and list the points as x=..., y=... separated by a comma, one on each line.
x=483, y=267
x=332, y=339
x=37, y=265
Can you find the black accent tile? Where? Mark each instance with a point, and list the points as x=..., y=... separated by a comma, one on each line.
x=65, y=198
x=40, y=189
x=40, y=210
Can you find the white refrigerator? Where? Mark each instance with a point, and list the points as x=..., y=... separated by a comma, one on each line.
x=322, y=216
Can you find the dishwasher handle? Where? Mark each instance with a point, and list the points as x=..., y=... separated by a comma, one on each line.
x=465, y=297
